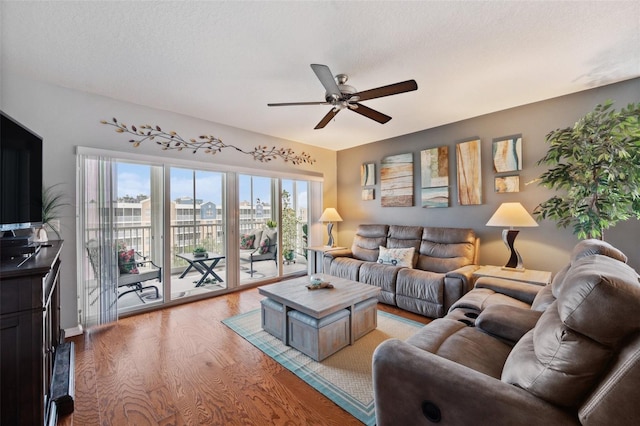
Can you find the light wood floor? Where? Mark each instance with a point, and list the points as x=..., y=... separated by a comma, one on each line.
x=182, y=366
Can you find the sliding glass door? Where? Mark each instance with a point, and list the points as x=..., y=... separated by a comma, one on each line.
x=138, y=228
x=295, y=225
x=273, y=227
x=153, y=233
x=197, y=232
x=258, y=228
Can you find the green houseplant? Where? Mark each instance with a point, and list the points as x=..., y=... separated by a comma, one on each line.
x=289, y=227
x=53, y=200
x=199, y=251
x=596, y=167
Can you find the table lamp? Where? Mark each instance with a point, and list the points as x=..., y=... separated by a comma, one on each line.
x=330, y=215
x=512, y=215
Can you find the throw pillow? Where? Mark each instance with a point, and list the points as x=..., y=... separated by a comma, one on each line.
x=246, y=241
x=264, y=245
x=127, y=262
x=396, y=256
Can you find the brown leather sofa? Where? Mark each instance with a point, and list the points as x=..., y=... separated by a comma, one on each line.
x=440, y=272
x=578, y=364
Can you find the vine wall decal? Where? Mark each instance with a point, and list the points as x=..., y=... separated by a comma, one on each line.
x=206, y=143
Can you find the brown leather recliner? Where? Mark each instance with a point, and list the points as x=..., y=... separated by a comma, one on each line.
x=579, y=364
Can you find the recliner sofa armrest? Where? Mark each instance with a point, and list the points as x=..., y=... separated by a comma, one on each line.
x=465, y=274
x=508, y=323
x=410, y=383
x=518, y=290
x=338, y=253
x=329, y=256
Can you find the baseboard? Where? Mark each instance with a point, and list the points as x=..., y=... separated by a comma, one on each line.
x=73, y=331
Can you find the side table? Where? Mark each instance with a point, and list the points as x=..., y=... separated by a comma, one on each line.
x=530, y=276
x=315, y=255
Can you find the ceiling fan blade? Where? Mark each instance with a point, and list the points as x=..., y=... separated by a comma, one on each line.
x=327, y=118
x=392, y=89
x=298, y=103
x=326, y=78
x=370, y=113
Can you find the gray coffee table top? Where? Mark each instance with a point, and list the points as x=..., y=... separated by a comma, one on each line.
x=322, y=302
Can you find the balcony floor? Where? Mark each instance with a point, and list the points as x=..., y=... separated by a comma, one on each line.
x=185, y=287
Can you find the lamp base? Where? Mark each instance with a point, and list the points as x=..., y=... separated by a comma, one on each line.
x=330, y=243
x=506, y=268
x=515, y=261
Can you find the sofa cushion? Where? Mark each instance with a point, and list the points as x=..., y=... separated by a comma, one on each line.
x=405, y=237
x=591, y=247
x=521, y=291
x=446, y=249
x=383, y=276
x=464, y=345
x=555, y=363
x=480, y=299
x=543, y=299
x=247, y=241
x=367, y=240
x=127, y=262
x=507, y=322
x=346, y=267
x=421, y=292
x=600, y=298
x=272, y=234
x=401, y=257
x=263, y=245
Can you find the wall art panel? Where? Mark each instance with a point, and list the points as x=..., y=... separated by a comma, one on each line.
x=469, y=172
x=368, y=174
x=434, y=177
x=507, y=154
x=396, y=181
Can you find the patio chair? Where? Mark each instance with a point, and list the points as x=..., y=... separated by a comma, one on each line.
x=264, y=246
x=134, y=270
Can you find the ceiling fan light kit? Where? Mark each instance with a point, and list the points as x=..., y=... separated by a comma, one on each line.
x=343, y=96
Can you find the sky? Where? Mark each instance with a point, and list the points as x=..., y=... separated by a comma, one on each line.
x=135, y=179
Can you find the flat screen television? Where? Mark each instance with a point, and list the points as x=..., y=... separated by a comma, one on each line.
x=20, y=176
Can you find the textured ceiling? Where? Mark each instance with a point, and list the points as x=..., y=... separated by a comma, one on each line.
x=224, y=61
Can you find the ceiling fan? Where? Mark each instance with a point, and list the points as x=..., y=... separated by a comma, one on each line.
x=340, y=96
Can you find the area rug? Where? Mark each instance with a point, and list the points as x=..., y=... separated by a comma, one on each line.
x=344, y=377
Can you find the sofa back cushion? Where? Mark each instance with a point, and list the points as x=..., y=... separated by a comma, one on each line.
x=583, y=249
x=597, y=308
x=600, y=298
x=367, y=240
x=446, y=249
x=405, y=237
x=590, y=247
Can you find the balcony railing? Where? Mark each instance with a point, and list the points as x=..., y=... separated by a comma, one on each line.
x=185, y=237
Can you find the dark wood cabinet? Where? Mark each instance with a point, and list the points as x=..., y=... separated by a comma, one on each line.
x=29, y=334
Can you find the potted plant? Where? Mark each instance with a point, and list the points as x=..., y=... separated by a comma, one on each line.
x=272, y=224
x=53, y=200
x=199, y=251
x=596, y=165
x=289, y=227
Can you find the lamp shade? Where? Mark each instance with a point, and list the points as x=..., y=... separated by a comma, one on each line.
x=512, y=215
x=330, y=215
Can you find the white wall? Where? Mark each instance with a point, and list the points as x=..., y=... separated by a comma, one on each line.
x=67, y=118
x=545, y=247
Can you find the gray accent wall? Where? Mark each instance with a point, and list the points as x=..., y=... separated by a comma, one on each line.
x=545, y=247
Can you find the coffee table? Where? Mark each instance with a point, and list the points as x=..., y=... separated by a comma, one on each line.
x=293, y=295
